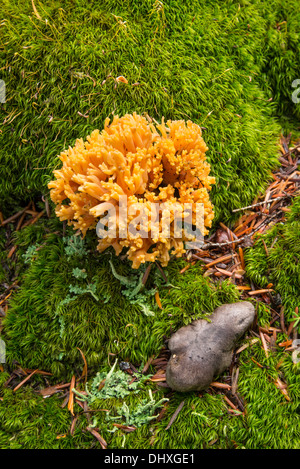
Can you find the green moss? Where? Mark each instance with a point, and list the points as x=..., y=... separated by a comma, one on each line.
x=44, y=332
x=3, y=255
x=205, y=420
x=215, y=63
x=282, y=54
x=55, y=70
x=282, y=264
x=27, y=421
x=269, y=416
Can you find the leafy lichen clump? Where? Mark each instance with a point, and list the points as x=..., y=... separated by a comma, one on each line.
x=114, y=384
x=140, y=415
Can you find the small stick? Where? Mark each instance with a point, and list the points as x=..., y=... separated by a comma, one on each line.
x=12, y=250
x=71, y=396
x=20, y=221
x=126, y=428
x=241, y=254
x=38, y=372
x=258, y=364
x=290, y=328
x=220, y=259
x=266, y=248
x=31, y=212
x=158, y=379
x=218, y=245
x=175, y=415
x=245, y=222
x=46, y=392
x=292, y=324
x=259, y=203
x=264, y=343
x=243, y=347
x=74, y=421
x=148, y=363
x=85, y=369
x=186, y=268
x=47, y=207
x=236, y=412
x=16, y=215
x=291, y=150
x=235, y=377
x=215, y=384
x=65, y=401
x=35, y=219
x=230, y=403
x=146, y=274
x=283, y=328
x=2, y=301
x=24, y=380
x=161, y=271
x=258, y=292
x=98, y=437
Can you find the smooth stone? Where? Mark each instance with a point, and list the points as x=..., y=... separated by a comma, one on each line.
x=203, y=349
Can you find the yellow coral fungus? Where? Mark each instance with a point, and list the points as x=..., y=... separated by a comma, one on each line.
x=127, y=171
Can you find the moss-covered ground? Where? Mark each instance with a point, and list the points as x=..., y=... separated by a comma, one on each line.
x=205, y=61
x=228, y=66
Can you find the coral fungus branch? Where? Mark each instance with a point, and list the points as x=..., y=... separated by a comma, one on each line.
x=148, y=165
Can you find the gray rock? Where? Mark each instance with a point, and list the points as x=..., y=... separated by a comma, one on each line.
x=202, y=350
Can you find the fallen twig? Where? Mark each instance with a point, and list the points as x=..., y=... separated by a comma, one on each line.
x=261, y=203
x=25, y=380
x=84, y=370
x=47, y=392
x=264, y=344
x=229, y=402
x=259, y=292
x=97, y=436
x=216, y=384
x=15, y=216
x=71, y=396
x=175, y=415
x=148, y=363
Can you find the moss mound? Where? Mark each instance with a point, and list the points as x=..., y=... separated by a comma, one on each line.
x=279, y=262
x=57, y=309
x=27, y=421
x=58, y=73
x=205, y=421
x=281, y=55
x=217, y=64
